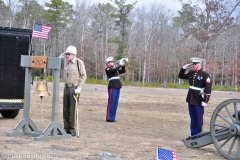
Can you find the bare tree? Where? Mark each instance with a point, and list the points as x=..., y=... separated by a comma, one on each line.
x=102, y=25
x=9, y=11
x=205, y=21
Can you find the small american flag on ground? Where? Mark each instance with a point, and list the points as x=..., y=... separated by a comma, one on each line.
x=41, y=31
x=163, y=154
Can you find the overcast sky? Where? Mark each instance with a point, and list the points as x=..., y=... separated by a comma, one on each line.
x=171, y=4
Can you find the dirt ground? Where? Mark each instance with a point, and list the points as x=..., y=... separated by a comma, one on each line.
x=147, y=118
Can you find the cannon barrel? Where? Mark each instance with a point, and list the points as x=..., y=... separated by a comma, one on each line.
x=204, y=138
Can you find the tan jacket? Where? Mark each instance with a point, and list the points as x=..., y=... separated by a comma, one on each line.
x=72, y=76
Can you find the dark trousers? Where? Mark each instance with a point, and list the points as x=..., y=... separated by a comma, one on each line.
x=196, y=114
x=113, y=97
x=69, y=109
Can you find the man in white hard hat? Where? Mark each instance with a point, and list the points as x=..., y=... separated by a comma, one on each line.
x=198, y=93
x=114, y=86
x=75, y=76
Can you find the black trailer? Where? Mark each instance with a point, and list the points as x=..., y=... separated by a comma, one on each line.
x=14, y=42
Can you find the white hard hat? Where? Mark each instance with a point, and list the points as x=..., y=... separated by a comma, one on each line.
x=109, y=59
x=71, y=49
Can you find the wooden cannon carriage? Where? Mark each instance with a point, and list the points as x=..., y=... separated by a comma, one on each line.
x=224, y=131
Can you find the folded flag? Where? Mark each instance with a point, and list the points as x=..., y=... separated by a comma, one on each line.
x=163, y=154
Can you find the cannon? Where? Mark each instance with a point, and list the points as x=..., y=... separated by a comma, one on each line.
x=224, y=131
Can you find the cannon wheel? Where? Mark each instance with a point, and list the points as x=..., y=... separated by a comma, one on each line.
x=224, y=122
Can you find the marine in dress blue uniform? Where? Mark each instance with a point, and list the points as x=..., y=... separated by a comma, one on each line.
x=114, y=87
x=198, y=94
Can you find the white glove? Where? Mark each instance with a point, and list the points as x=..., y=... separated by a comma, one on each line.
x=204, y=104
x=62, y=55
x=77, y=91
x=121, y=62
x=186, y=66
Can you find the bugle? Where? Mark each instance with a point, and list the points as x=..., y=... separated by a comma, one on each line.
x=121, y=62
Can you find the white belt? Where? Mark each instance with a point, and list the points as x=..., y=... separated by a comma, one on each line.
x=196, y=88
x=199, y=89
x=113, y=78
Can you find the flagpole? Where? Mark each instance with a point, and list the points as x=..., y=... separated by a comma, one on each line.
x=44, y=47
x=44, y=54
x=31, y=41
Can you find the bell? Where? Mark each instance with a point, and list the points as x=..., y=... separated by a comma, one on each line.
x=41, y=89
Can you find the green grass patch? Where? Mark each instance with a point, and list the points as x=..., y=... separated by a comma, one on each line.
x=95, y=81
x=150, y=85
x=224, y=88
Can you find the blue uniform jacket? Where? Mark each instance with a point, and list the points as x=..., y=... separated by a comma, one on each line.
x=114, y=72
x=199, y=79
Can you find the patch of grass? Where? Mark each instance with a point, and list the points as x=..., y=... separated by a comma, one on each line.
x=150, y=85
x=130, y=83
x=153, y=85
x=224, y=88
x=95, y=81
x=49, y=79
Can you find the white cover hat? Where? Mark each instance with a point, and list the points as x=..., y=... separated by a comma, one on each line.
x=109, y=59
x=196, y=60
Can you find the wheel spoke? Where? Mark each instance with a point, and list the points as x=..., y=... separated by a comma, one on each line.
x=230, y=115
x=225, y=141
x=225, y=119
x=220, y=125
x=231, y=146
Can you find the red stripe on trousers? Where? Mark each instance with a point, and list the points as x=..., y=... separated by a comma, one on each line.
x=109, y=103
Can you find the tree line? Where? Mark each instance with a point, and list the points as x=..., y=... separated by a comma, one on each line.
x=157, y=41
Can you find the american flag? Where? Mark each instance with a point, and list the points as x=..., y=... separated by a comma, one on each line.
x=163, y=154
x=41, y=31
